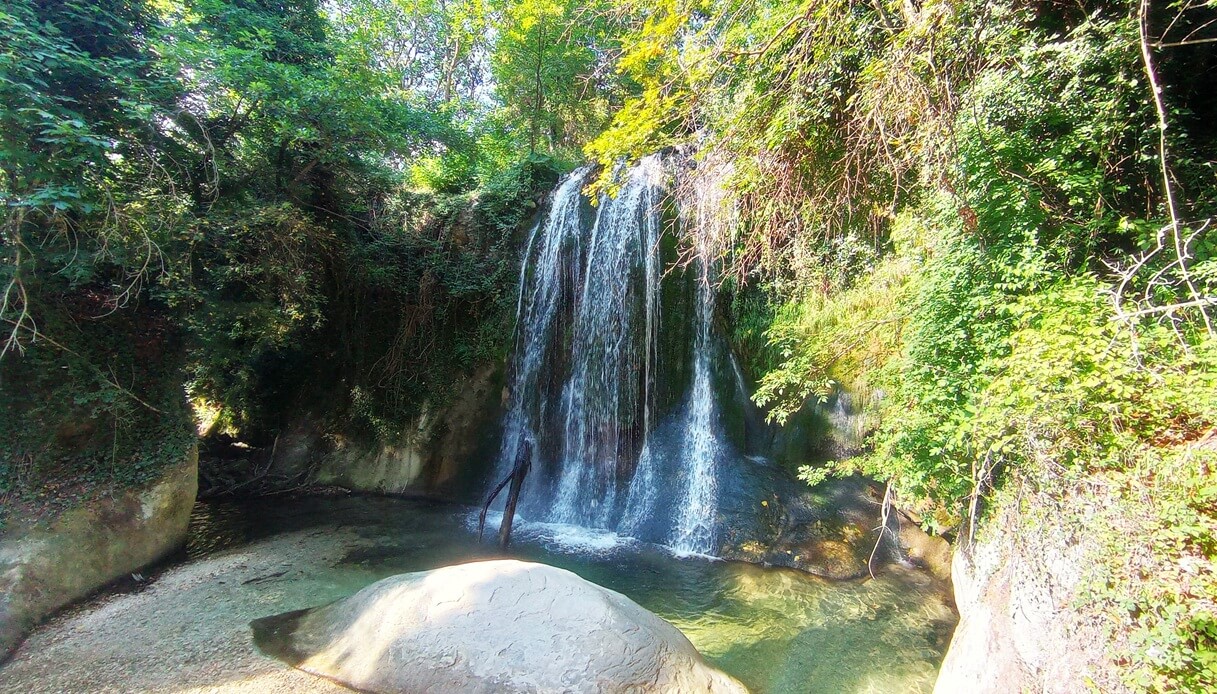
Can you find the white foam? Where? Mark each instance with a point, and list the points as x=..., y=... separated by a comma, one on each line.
x=559, y=537
x=566, y=538
x=578, y=538
x=686, y=554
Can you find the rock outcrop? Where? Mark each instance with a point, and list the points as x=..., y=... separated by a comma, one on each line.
x=1015, y=587
x=771, y=518
x=88, y=546
x=832, y=530
x=489, y=627
x=445, y=453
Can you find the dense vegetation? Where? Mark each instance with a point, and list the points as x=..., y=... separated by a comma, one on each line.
x=990, y=221
x=225, y=195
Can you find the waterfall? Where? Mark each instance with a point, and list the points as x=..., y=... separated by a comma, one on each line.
x=587, y=363
x=603, y=392
x=694, y=530
x=694, y=527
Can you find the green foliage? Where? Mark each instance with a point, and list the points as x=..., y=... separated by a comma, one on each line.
x=77, y=105
x=827, y=337
x=83, y=204
x=1047, y=157
x=814, y=475
x=959, y=212
x=432, y=49
x=814, y=103
x=102, y=405
x=1153, y=579
x=751, y=311
x=548, y=66
x=433, y=289
x=256, y=175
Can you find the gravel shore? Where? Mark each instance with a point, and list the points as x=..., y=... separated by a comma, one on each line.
x=189, y=630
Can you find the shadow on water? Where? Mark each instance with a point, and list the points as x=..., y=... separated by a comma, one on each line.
x=777, y=630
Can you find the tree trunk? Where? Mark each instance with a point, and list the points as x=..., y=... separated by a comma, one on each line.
x=518, y=472
x=509, y=512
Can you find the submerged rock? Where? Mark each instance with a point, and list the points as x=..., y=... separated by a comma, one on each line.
x=489, y=627
x=831, y=531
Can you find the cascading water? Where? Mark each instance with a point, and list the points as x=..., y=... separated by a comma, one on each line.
x=586, y=365
x=694, y=527
x=550, y=246
x=607, y=352
x=693, y=530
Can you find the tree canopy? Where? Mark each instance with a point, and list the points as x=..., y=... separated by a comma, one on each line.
x=991, y=221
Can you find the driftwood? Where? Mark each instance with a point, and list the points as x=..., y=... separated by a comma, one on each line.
x=516, y=478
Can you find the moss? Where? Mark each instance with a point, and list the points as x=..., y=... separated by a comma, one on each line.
x=100, y=405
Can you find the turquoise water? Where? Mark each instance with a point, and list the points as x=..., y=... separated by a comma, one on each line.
x=776, y=630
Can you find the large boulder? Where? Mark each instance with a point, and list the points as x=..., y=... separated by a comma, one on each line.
x=490, y=626
x=44, y=568
x=1017, y=585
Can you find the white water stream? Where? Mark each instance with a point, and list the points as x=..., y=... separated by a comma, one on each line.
x=586, y=367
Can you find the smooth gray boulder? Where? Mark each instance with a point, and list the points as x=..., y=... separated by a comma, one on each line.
x=492, y=626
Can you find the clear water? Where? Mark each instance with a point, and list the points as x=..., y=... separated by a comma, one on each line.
x=776, y=630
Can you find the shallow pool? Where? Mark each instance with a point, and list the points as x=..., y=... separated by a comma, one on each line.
x=777, y=630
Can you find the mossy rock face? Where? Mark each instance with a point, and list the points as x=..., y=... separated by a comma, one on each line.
x=445, y=452
x=830, y=531
x=44, y=568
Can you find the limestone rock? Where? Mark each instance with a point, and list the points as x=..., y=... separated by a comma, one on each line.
x=768, y=517
x=91, y=545
x=493, y=626
x=441, y=454
x=929, y=551
x=1016, y=586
